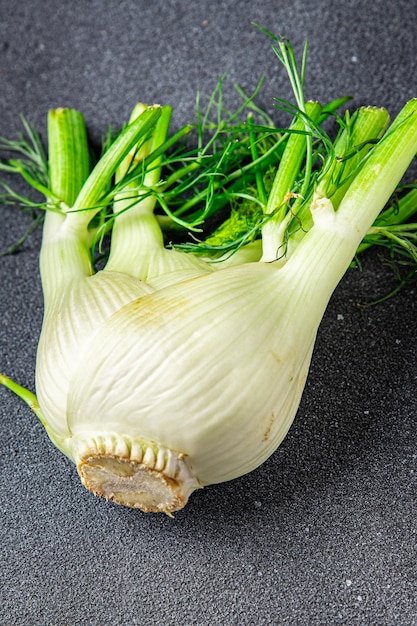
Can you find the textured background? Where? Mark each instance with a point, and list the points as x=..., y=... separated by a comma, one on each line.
x=323, y=533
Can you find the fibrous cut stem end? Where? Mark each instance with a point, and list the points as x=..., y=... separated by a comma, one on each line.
x=136, y=474
x=131, y=484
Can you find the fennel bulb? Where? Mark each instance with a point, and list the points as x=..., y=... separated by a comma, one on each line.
x=167, y=370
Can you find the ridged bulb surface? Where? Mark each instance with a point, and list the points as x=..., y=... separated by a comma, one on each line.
x=212, y=368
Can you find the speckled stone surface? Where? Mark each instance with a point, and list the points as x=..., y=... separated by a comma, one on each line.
x=324, y=533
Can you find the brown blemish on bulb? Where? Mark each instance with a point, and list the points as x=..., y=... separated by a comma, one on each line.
x=275, y=356
x=267, y=432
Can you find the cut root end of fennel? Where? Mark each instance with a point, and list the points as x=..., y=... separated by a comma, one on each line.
x=135, y=474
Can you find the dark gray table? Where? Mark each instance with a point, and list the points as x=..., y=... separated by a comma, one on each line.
x=323, y=533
